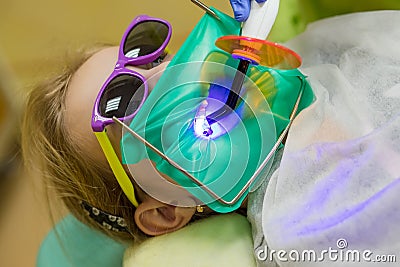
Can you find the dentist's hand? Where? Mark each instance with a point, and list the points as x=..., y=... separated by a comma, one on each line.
x=241, y=8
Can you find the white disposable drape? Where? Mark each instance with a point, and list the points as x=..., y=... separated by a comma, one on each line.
x=338, y=182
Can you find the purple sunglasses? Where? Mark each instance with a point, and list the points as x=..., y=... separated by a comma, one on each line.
x=143, y=42
x=125, y=90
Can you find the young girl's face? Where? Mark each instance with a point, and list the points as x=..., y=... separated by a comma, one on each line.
x=151, y=216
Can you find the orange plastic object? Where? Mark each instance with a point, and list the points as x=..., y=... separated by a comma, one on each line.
x=247, y=55
x=261, y=52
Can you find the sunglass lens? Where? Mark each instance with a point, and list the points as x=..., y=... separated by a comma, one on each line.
x=122, y=96
x=145, y=38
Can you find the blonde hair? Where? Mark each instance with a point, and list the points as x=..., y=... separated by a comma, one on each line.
x=48, y=148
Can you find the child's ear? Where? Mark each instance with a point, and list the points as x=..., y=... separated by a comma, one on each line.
x=156, y=218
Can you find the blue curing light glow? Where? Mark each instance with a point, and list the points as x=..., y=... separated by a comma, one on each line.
x=201, y=126
x=206, y=130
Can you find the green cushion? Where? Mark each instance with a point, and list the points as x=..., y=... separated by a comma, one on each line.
x=73, y=244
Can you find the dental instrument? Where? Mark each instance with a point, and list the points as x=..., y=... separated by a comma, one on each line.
x=251, y=48
x=205, y=8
